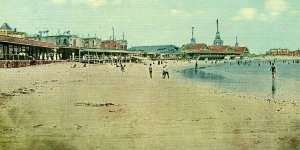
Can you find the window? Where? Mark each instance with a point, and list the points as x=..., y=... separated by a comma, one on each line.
x=65, y=41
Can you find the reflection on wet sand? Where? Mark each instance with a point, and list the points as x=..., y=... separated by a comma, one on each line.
x=273, y=88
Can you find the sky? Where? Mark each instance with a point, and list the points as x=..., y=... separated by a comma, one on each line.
x=259, y=24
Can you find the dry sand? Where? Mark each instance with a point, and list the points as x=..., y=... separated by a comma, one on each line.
x=96, y=107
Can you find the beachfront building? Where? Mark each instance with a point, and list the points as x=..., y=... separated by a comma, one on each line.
x=99, y=55
x=62, y=40
x=283, y=52
x=6, y=30
x=204, y=52
x=158, y=51
x=123, y=44
x=242, y=51
x=13, y=48
x=278, y=52
x=91, y=42
x=68, y=44
x=114, y=44
x=295, y=53
x=201, y=51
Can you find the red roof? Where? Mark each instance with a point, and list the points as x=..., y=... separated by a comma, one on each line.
x=240, y=49
x=14, y=40
x=199, y=46
x=217, y=48
x=194, y=48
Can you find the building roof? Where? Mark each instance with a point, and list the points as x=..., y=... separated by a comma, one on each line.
x=241, y=49
x=156, y=49
x=14, y=40
x=193, y=47
x=219, y=48
x=5, y=26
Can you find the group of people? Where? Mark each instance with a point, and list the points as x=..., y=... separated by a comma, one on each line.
x=165, y=71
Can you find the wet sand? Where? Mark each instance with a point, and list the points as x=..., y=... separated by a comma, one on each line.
x=58, y=107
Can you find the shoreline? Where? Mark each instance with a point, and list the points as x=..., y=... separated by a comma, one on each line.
x=67, y=108
x=241, y=93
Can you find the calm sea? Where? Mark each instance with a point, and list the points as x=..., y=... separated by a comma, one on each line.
x=251, y=78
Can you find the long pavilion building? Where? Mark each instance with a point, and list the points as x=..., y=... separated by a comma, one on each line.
x=216, y=51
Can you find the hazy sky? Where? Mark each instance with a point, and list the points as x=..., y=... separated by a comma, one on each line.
x=259, y=24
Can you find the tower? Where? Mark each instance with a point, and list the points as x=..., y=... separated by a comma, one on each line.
x=236, y=42
x=218, y=40
x=193, y=40
x=113, y=36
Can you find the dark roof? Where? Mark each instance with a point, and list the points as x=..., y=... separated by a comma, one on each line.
x=14, y=40
x=91, y=38
x=156, y=49
x=5, y=26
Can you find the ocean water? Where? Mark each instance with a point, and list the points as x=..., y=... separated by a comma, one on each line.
x=251, y=79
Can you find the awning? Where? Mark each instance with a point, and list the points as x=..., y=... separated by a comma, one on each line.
x=20, y=41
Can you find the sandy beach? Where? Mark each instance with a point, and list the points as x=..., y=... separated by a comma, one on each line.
x=97, y=107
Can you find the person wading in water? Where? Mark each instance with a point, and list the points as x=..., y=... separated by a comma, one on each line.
x=273, y=69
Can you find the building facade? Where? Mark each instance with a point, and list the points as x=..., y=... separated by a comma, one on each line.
x=114, y=44
x=12, y=48
x=279, y=52
x=158, y=51
x=295, y=53
x=91, y=42
x=202, y=51
x=6, y=30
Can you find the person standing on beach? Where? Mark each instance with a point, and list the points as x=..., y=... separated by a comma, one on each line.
x=196, y=65
x=273, y=69
x=150, y=70
x=165, y=71
x=122, y=68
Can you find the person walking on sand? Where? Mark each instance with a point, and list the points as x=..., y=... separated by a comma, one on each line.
x=122, y=68
x=273, y=70
x=150, y=70
x=165, y=71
